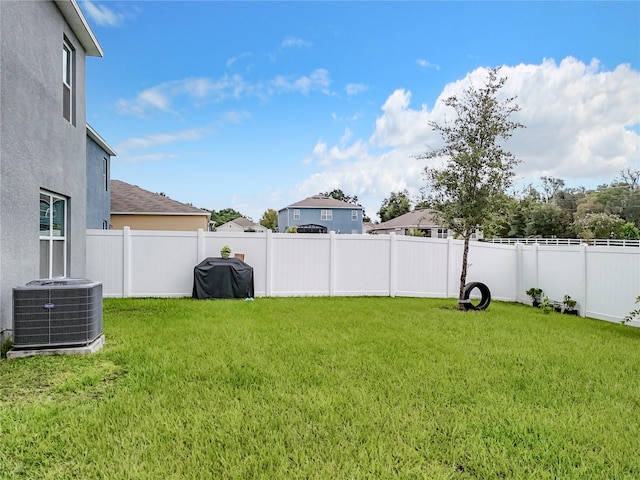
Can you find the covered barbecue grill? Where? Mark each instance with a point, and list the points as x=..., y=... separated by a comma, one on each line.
x=217, y=277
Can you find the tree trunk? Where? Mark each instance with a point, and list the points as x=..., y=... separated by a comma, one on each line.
x=463, y=272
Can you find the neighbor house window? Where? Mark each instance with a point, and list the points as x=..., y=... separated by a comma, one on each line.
x=68, y=78
x=53, y=235
x=354, y=215
x=442, y=233
x=105, y=173
x=326, y=215
x=296, y=214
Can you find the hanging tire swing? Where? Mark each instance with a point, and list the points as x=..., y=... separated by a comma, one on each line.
x=485, y=296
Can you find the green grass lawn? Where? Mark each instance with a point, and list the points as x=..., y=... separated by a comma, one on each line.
x=328, y=388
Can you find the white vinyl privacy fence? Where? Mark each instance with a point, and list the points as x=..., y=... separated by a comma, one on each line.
x=138, y=263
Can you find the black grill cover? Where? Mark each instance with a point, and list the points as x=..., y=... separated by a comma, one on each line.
x=217, y=277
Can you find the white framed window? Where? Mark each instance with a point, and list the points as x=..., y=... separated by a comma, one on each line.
x=326, y=214
x=442, y=233
x=105, y=173
x=68, y=78
x=296, y=214
x=53, y=235
x=354, y=215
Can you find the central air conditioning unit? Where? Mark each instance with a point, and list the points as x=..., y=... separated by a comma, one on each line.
x=58, y=312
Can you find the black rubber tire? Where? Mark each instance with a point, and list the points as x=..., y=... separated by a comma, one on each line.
x=485, y=299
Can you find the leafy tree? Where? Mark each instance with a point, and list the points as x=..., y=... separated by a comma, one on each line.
x=630, y=231
x=547, y=220
x=397, y=204
x=588, y=204
x=599, y=225
x=225, y=215
x=568, y=198
x=501, y=221
x=478, y=170
x=550, y=187
x=630, y=177
x=615, y=199
x=340, y=195
x=269, y=219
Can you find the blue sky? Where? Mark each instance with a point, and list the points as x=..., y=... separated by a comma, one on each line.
x=257, y=105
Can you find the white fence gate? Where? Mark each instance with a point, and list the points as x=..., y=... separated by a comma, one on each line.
x=139, y=263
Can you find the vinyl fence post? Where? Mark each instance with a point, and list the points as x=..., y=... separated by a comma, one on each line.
x=449, y=260
x=392, y=264
x=268, y=262
x=332, y=263
x=519, y=269
x=126, y=261
x=582, y=309
x=537, y=266
x=200, y=246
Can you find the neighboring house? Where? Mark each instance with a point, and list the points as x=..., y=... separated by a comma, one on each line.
x=139, y=209
x=410, y=223
x=43, y=144
x=419, y=222
x=99, y=155
x=320, y=214
x=241, y=224
x=367, y=227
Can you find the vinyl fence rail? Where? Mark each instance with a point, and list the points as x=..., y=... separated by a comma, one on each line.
x=140, y=263
x=606, y=242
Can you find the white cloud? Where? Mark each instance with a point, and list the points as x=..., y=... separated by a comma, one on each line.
x=102, y=15
x=150, y=157
x=156, y=139
x=576, y=118
x=347, y=135
x=400, y=125
x=237, y=58
x=289, y=42
x=235, y=116
x=318, y=80
x=425, y=64
x=355, y=88
x=580, y=126
x=200, y=91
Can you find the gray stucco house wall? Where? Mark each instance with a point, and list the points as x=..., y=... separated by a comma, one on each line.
x=99, y=155
x=39, y=148
x=313, y=212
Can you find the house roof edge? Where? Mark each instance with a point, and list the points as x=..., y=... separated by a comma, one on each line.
x=73, y=15
x=100, y=141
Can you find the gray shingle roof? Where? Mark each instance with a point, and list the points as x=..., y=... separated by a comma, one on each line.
x=423, y=218
x=126, y=198
x=243, y=222
x=319, y=201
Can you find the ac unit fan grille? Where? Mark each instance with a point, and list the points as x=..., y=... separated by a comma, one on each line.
x=57, y=315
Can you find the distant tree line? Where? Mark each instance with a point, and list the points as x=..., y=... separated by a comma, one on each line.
x=549, y=210
x=553, y=210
